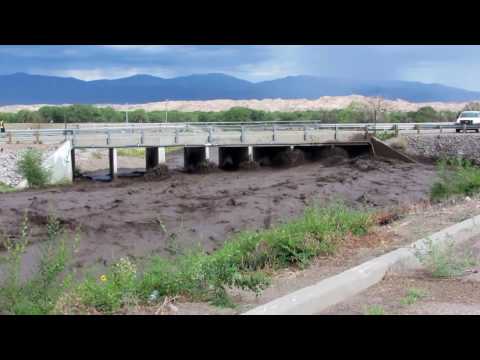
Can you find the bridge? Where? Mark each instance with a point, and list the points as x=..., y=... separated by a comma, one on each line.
x=236, y=142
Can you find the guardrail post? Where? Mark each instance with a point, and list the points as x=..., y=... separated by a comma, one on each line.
x=274, y=134
x=336, y=131
x=142, y=137
x=9, y=137
x=37, y=138
x=417, y=127
x=108, y=137
x=305, y=133
x=242, y=136
x=210, y=135
x=176, y=136
x=441, y=129
x=396, y=129
x=366, y=132
x=73, y=138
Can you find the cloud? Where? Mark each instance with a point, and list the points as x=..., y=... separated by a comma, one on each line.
x=448, y=64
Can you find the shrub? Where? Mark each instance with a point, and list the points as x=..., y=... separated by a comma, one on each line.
x=5, y=188
x=385, y=135
x=441, y=261
x=39, y=294
x=457, y=177
x=112, y=290
x=30, y=167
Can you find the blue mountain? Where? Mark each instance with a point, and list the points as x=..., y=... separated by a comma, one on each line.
x=22, y=88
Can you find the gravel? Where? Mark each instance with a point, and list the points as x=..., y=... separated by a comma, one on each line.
x=9, y=155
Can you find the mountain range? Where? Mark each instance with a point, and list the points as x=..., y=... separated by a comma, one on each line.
x=22, y=88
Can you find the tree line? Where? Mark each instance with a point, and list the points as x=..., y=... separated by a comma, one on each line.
x=352, y=114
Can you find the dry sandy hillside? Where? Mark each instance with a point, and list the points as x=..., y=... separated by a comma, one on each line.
x=326, y=102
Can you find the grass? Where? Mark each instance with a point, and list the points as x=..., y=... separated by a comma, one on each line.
x=442, y=261
x=375, y=310
x=456, y=177
x=412, y=296
x=245, y=261
x=140, y=152
x=131, y=152
x=31, y=168
x=5, y=188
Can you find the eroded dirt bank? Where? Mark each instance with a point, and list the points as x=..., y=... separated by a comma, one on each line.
x=136, y=217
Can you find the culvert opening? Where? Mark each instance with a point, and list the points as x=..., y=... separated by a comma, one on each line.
x=270, y=155
x=231, y=158
x=334, y=153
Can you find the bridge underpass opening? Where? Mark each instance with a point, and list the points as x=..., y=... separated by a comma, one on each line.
x=230, y=158
x=314, y=153
x=194, y=156
x=268, y=155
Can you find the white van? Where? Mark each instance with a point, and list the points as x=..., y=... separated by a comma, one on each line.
x=468, y=118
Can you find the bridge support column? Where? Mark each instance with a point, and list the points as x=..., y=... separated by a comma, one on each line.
x=72, y=158
x=229, y=158
x=154, y=156
x=113, y=162
x=250, y=153
x=193, y=156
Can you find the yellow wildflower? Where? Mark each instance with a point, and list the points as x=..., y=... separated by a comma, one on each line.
x=103, y=278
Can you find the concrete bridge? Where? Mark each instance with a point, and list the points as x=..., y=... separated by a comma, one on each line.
x=236, y=142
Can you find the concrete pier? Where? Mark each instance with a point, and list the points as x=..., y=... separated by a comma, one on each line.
x=113, y=162
x=154, y=156
x=72, y=158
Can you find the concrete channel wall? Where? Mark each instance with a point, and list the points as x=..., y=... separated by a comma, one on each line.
x=59, y=163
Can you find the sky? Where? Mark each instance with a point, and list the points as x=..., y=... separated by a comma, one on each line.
x=454, y=65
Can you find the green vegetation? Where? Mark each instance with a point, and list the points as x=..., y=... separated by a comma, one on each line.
x=375, y=310
x=5, y=188
x=385, y=135
x=442, y=261
x=456, y=177
x=355, y=113
x=31, y=168
x=131, y=152
x=412, y=296
x=39, y=294
x=245, y=262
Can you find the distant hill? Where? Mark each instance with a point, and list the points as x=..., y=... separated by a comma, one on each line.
x=21, y=88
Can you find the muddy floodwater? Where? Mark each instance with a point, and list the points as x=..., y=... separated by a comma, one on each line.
x=136, y=216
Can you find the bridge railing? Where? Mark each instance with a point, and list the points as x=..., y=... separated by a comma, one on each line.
x=206, y=131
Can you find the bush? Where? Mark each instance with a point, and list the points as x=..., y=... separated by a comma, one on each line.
x=112, y=290
x=38, y=295
x=441, y=261
x=457, y=177
x=5, y=188
x=31, y=168
x=385, y=135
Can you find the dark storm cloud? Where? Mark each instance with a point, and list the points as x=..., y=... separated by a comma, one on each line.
x=453, y=65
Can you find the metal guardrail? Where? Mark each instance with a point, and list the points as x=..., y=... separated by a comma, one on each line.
x=209, y=129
